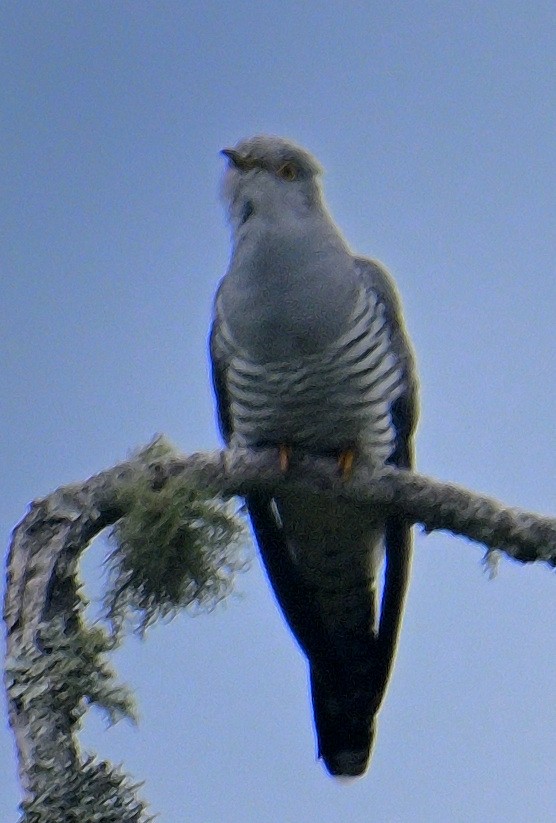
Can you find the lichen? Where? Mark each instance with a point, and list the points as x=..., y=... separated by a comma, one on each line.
x=177, y=547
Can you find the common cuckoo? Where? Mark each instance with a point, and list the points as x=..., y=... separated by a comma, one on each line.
x=310, y=354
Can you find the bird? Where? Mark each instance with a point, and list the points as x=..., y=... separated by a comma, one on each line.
x=309, y=354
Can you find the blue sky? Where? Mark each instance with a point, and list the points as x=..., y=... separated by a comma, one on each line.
x=436, y=125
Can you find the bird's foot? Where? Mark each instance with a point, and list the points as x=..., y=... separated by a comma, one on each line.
x=345, y=463
x=284, y=454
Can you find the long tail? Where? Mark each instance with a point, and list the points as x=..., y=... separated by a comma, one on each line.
x=346, y=700
x=344, y=710
x=350, y=667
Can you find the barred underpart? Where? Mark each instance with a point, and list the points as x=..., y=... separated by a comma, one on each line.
x=332, y=400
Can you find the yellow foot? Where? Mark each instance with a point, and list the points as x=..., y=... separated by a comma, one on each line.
x=285, y=452
x=345, y=463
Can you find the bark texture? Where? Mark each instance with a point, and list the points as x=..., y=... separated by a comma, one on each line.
x=42, y=604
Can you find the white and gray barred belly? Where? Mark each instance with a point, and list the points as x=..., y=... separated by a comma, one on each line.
x=335, y=399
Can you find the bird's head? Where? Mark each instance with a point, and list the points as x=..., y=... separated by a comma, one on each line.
x=269, y=178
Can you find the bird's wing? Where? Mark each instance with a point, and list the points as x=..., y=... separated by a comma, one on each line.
x=292, y=593
x=404, y=410
x=404, y=413
x=219, y=366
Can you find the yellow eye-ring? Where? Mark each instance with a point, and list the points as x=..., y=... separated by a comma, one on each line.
x=289, y=172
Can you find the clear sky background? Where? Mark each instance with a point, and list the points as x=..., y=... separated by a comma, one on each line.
x=436, y=124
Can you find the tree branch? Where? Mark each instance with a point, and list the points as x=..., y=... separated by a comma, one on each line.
x=436, y=505
x=43, y=607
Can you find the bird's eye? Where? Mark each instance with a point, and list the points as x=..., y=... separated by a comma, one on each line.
x=289, y=172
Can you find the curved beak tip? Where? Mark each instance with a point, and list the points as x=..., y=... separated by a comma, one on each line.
x=231, y=154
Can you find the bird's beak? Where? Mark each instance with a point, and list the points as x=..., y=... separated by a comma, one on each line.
x=235, y=158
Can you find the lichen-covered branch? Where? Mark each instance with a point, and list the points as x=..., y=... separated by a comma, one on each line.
x=179, y=505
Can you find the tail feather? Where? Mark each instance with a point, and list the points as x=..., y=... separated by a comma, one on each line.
x=344, y=712
x=350, y=661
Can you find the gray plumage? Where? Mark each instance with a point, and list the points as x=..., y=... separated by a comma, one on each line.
x=309, y=352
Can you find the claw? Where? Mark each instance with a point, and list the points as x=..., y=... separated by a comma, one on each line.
x=284, y=457
x=345, y=463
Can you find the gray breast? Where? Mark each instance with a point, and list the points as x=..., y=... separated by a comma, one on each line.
x=334, y=399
